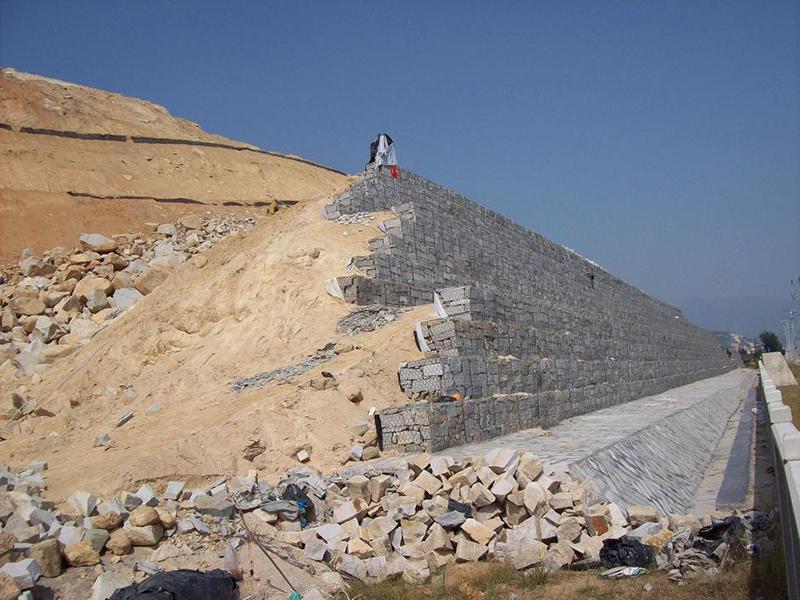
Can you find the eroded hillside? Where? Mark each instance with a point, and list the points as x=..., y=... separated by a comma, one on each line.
x=78, y=159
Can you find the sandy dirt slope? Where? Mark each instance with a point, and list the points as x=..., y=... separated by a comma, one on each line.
x=38, y=172
x=258, y=304
x=33, y=100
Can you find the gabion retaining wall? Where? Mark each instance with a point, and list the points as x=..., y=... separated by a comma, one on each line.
x=528, y=331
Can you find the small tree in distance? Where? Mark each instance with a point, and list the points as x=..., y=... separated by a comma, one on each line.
x=770, y=342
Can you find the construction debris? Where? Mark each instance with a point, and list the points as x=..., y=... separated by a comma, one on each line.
x=319, y=357
x=405, y=517
x=368, y=318
x=52, y=305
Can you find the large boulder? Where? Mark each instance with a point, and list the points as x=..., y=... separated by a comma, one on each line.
x=86, y=287
x=26, y=305
x=97, y=242
x=48, y=555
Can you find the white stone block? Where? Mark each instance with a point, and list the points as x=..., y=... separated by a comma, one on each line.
x=779, y=414
x=788, y=440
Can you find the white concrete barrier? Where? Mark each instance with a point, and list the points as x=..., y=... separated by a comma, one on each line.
x=786, y=457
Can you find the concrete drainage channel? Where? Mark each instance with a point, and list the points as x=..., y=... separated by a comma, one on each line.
x=662, y=464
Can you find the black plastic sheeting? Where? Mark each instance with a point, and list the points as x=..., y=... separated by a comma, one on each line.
x=183, y=584
x=625, y=552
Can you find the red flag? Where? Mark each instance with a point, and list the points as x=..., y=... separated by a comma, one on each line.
x=395, y=172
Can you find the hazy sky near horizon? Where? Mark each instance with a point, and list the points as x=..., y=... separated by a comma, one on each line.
x=660, y=139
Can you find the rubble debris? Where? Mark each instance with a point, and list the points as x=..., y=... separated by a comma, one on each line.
x=319, y=357
x=368, y=318
x=620, y=572
x=53, y=304
x=404, y=517
x=359, y=218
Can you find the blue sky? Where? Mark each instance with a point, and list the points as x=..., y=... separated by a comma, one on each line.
x=661, y=139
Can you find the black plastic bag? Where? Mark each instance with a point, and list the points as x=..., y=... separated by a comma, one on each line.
x=183, y=584
x=293, y=493
x=625, y=552
x=721, y=530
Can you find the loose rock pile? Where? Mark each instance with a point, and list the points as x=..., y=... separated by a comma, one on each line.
x=415, y=516
x=360, y=218
x=406, y=518
x=51, y=305
x=368, y=318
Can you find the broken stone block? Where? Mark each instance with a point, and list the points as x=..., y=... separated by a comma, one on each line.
x=83, y=502
x=503, y=460
x=378, y=487
x=331, y=533
x=503, y=486
x=569, y=530
x=681, y=522
x=97, y=538
x=413, y=531
x=147, y=495
x=451, y=519
x=146, y=536
x=81, y=554
x=411, y=490
x=9, y=590
x=639, y=514
x=97, y=242
x=380, y=527
x=107, y=583
x=108, y=521
x=478, y=532
x=358, y=486
x=486, y=476
x=25, y=572
x=535, y=498
x=370, y=453
x=520, y=549
x=352, y=566
x=467, y=551
x=479, y=495
x=315, y=550
x=143, y=516
x=174, y=490
x=440, y=465
x=214, y=506
x=428, y=482
x=344, y=512
x=589, y=546
x=69, y=534
x=126, y=297
x=561, y=501
x=26, y=305
x=360, y=548
x=597, y=522
x=48, y=556
x=416, y=572
x=151, y=278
